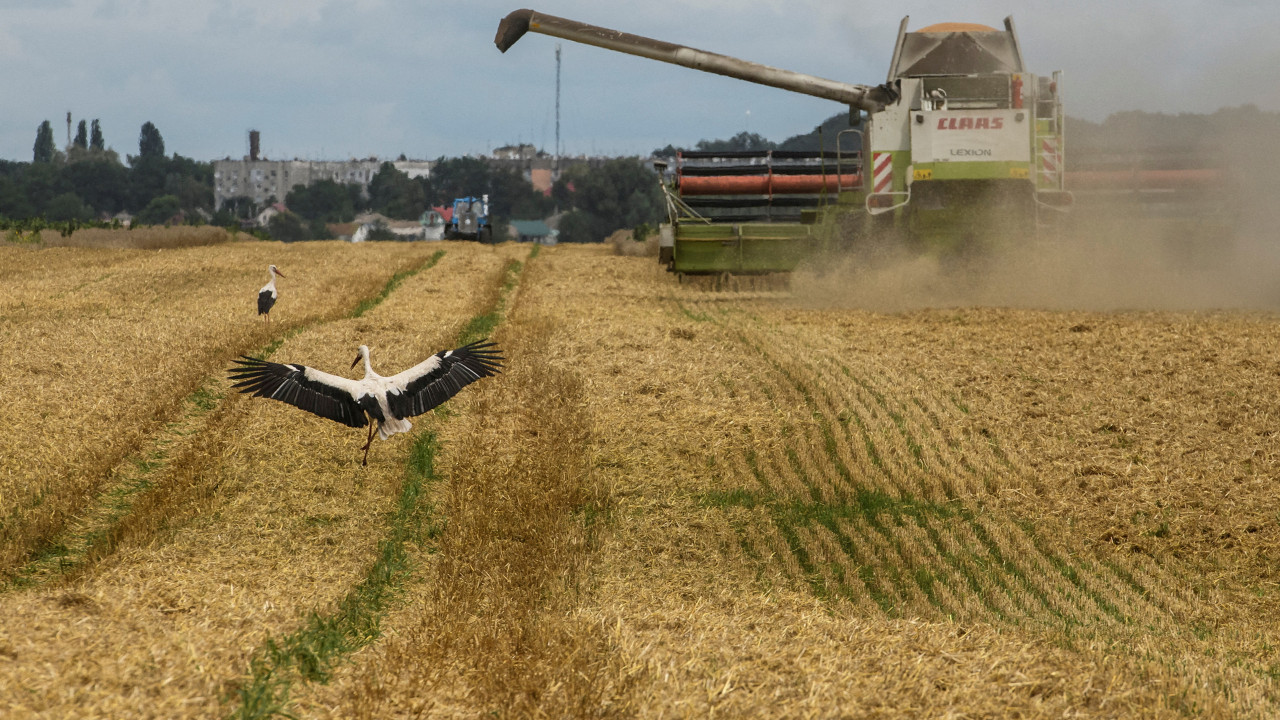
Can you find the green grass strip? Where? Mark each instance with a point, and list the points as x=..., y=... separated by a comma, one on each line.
x=370, y=303
x=311, y=652
x=75, y=547
x=482, y=326
x=75, y=544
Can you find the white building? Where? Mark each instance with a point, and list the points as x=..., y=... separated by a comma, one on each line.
x=260, y=180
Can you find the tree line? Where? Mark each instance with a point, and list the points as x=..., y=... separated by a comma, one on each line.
x=592, y=200
x=87, y=183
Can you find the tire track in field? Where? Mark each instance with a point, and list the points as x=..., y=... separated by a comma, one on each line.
x=283, y=526
x=310, y=653
x=120, y=350
x=198, y=431
x=880, y=488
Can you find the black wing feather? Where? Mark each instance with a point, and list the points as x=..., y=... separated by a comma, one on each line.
x=289, y=384
x=457, y=370
x=266, y=299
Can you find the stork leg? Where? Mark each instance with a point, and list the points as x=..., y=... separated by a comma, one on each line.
x=365, y=462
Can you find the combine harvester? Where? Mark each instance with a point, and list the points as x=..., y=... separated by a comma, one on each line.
x=965, y=151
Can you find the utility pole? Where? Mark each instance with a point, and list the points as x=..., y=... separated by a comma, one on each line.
x=68, y=131
x=555, y=170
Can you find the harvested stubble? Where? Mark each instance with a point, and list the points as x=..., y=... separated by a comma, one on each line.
x=687, y=610
x=106, y=350
x=1046, y=544
x=680, y=503
x=492, y=626
x=271, y=519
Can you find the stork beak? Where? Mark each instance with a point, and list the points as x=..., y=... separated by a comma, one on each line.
x=356, y=361
x=279, y=273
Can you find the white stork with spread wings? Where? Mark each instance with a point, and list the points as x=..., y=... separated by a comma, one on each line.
x=391, y=401
x=267, y=295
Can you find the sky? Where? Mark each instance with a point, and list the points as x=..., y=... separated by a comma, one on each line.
x=330, y=79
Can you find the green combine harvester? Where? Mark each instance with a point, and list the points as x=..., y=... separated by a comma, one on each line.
x=958, y=151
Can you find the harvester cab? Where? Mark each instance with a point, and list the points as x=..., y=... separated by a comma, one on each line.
x=959, y=148
x=973, y=148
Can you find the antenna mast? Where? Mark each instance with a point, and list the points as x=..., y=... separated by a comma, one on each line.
x=556, y=169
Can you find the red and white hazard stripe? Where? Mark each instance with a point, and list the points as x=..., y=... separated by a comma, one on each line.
x=1050, y=161
x=882, y=164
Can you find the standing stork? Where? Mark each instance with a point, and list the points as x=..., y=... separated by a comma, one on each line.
x=267, y=295
x=390, y=401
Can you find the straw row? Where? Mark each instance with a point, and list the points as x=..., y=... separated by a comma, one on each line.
x=884, y=432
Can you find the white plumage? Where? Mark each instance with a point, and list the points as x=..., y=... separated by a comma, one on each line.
x=267, y=295
x=390, y=401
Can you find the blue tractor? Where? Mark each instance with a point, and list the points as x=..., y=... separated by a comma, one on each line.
x=470, y=220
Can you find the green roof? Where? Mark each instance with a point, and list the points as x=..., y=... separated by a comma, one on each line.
x=533, y=228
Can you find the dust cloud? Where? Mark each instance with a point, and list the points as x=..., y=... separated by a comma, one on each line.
x=1209, y=247
x=1132, y=267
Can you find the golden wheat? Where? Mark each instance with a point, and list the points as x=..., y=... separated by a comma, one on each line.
x=271, y=519
x=681, y=501
x=108, y=354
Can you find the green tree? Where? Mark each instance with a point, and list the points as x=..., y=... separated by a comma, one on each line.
x=512, y=197
x=82, y=135
x=287, y=227
x=42, y=182
x=743, y=141
x=395, y=195
x=147, y=175
x=44, y=148
x=67, y=207
x=325, y=200
x=192, y=193
x=318, y=230
x=191, y=181
x=150, y=144
x=576, y=226
x=825, y=136
x=101, y=181
x=621, y=193
x=14, y=204
x=457, y=177
x=160, y=211
x=95, y=137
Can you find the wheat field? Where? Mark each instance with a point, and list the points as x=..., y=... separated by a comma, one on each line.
x=676, y=501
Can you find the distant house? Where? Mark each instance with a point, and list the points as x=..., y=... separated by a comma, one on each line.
x=415, y=168
x=370, y=224
x=264, y=218
x=535, y=231
x=523, y=151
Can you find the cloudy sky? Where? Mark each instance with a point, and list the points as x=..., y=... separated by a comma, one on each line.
x=329, y=79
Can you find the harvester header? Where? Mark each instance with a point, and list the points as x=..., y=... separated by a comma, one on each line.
x=959, y=151
x=863, y=97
